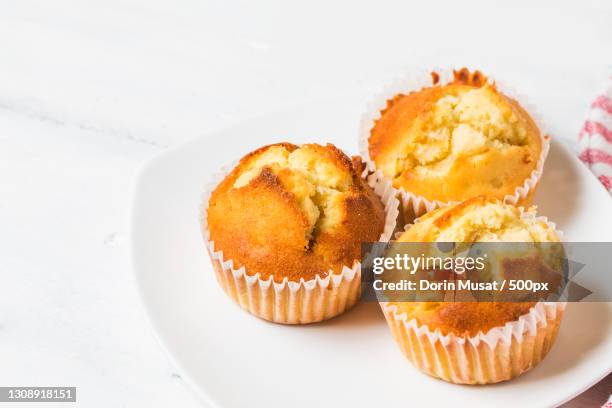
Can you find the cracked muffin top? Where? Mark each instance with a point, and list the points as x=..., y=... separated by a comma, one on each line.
x=476, y=220
x=294, y=212
x=455, y=141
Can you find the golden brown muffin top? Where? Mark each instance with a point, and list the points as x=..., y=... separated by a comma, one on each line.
x=476, y=220
x=294, y=212
x=455, y=141
x=479, y=219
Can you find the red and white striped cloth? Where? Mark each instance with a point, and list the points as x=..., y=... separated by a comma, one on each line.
x=596, y=138
x=596, y=146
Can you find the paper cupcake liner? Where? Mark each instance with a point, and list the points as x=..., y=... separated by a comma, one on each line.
x=414, y=205
x=291, y=302
x=499, y=355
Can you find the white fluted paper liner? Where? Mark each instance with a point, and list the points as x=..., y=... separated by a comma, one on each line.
x=498, y=355
x=416, y=205
x=290, y=302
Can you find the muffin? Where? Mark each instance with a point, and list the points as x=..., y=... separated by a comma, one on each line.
x=284, y=231
x=476, y=342
x=447, y=142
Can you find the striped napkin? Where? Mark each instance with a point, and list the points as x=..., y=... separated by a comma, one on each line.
x=596, y=146
x=596, y=138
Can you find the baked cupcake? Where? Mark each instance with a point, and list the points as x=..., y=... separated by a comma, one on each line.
x=476, y=342
x=284, y=231
x=451, y=137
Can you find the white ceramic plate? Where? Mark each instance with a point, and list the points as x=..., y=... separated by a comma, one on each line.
x=236, y=360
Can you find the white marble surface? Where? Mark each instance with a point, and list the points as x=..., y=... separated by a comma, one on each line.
x=89, y=90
